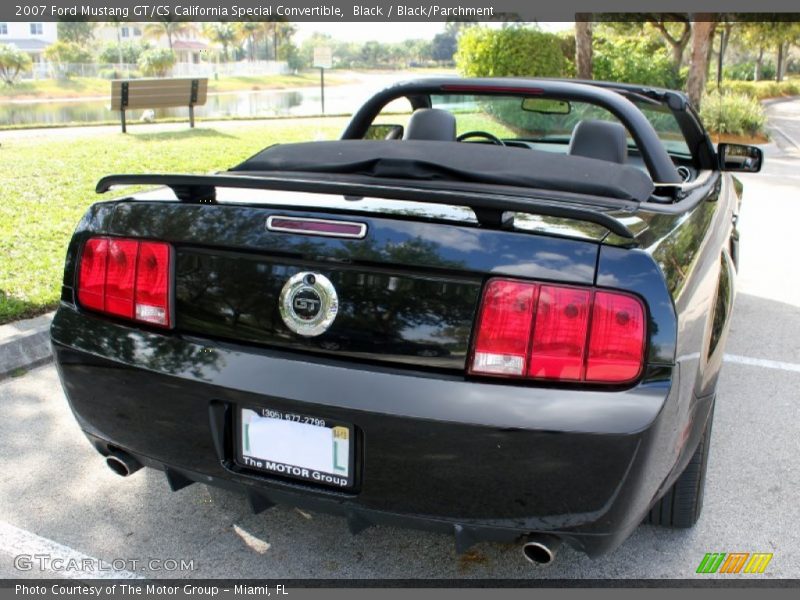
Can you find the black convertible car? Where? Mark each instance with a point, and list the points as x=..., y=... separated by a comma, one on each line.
x=545, y=269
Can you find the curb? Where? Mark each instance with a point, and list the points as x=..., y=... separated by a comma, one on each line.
x=24, y=344
x=774, y=128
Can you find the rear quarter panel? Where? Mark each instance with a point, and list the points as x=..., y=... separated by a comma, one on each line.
x=693, y=251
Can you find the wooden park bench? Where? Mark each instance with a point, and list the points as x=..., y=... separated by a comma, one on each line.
x=131, y=94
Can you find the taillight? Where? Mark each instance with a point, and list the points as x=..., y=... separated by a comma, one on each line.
x=617, y=338
x=152, y=283
x=92, y=274
x=558, y=333
x=126, y=278
x=502, y=344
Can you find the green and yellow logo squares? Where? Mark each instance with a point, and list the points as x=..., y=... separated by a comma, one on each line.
x=734, y=562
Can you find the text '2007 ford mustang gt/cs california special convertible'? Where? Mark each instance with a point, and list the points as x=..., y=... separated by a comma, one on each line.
x=494, y=307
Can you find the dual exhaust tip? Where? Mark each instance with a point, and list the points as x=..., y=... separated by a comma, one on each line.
x=538, y=549
x=122, y=463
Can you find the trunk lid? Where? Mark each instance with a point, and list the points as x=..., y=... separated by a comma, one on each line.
x=408, y=291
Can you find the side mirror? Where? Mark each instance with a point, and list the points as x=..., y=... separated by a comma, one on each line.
x=740, y=158
x=384, y=132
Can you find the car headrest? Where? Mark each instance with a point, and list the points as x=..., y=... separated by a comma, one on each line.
x=602, y=140
x=432, y=124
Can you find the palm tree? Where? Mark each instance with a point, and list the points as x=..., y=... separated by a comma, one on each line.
x=249, y=30
x=283, y=32
x=221, y=33
x=168, y=28
x=269, y=32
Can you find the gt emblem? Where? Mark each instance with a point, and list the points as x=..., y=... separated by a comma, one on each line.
x=308, y=304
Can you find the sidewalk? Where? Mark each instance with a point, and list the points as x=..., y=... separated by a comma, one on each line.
x=24, y=344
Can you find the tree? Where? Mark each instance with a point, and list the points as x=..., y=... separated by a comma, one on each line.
x=784, y=35
x=283, y=32
x=291, y=54
x=223, y=34
x=126, y=52
x=12, y=63
x=703, y=26
x=725, y=36
x=77, y=32
x=374, y=54
x=757, y=36
x=156, y=62
x=634, y=59
x=509, y=52
x=417, y=51
x=444, y=46
x=269, y=28
x=583, y=45
x=248, y=31
x=676, y=29
x=169, y=28
x=65, y=53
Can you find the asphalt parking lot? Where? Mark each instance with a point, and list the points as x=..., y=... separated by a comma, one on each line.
x=57, y=495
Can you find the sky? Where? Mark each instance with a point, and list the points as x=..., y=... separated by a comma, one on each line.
x=388, y=32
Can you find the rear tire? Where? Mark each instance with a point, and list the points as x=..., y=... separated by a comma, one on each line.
x=680, y=507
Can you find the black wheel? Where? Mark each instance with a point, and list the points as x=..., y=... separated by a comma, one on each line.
x=680, y=507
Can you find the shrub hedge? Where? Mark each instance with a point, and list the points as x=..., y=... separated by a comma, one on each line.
x=732, y=113
x=634, y=59
x=509, y=52
x=761, y=90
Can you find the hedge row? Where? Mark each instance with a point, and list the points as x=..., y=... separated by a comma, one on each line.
x=732, y=113
x=761, y=90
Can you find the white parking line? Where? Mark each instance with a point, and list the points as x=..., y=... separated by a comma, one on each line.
x=762, y=362
x=32, y=552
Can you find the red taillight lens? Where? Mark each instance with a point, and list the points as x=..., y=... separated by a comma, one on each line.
x=152, y=283
x=120, y=275
x=617, y=338
x=501, y=346
x=558, y=333
x=126, y=278
x=92, y=274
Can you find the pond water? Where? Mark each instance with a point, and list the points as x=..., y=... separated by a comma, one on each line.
x=235, y=104
x=339, y=99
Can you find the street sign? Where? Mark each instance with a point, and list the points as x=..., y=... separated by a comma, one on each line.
x=323, y=57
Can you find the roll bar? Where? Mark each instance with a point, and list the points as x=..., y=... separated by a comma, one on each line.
x=655, y=156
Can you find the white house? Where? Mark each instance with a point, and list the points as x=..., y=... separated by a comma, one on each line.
x=122, y=32
x=189, y=45
x=30, y=37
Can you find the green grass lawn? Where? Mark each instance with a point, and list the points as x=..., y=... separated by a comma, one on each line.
x=47, y=184
x=75, y=87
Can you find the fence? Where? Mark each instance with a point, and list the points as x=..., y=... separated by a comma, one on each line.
x=47, y=70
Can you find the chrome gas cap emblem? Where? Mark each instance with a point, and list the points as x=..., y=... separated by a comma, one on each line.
x=308, y=303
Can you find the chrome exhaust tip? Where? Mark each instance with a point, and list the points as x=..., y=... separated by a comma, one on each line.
x=122, y=463
x=540, y=549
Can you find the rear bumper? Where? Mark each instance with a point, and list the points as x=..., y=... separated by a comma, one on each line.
x=438, y=452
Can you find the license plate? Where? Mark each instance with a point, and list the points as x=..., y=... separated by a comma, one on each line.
x=296, y=445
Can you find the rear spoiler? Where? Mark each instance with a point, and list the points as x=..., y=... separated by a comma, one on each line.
x=489, y=209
